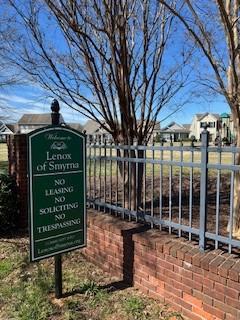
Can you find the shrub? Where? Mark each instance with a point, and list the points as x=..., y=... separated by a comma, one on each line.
x=157, y=138
x=8, y=202
x=184, y=140
x=225, y=141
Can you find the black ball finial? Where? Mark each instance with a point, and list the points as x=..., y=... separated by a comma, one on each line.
x=55, y=112
x=55, y=106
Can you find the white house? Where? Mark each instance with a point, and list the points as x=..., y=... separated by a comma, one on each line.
x=175, y=132
x=95, y=131
x=5, y=130
x=201, y=120
x=30, y=122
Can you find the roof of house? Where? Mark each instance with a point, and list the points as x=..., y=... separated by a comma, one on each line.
x=91, y=127
x=76, y=126
x=7, y=128
x=156, y=126
x=43, y=118
x=225, y=115
x=37, y=119
x=187, y=126
x=176, y=127
x=200, y=116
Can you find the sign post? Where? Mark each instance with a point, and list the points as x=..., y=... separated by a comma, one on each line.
x=58, y=276
x=57, y=192
x=58, y=258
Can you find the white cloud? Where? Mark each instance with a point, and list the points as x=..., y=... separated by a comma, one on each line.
x=16, y=105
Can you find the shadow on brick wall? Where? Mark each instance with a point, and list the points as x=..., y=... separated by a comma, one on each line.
x=128, y=252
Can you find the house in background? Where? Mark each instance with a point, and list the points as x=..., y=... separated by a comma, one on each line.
x=30, y=122
x=199, y=122
x=5, y=130
x=175, y=132
x=95, y=132
x=226, y=127
x=75, y=126
x=156, y=130
x=217, y=125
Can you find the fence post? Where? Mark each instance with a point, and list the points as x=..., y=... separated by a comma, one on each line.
x=203, y=188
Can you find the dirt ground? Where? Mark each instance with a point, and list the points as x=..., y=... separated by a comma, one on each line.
x=170, y=199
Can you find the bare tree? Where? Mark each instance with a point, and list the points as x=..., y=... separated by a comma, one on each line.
x=215, y=28
x=112, y=61
x=113, y=64
x=9, y=76
x=8, y=34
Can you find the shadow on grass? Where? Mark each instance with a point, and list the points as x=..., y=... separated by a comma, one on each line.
x=127, y=268
x=109, y=288
x=13, y=233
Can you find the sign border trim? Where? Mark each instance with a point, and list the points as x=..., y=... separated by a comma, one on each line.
x=30, y=177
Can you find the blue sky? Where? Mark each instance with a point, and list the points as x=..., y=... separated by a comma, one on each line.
x=32, y=99
x=28, y=99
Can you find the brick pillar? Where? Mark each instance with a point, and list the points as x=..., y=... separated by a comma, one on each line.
x=17, y=157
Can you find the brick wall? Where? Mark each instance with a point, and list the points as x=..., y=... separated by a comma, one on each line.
x=200, y=285
x=17, y=160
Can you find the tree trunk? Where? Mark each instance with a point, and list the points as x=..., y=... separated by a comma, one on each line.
x=135, y=181
x=132, y=178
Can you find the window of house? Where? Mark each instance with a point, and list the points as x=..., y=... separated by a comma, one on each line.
x=203, y=124
x=211, y=124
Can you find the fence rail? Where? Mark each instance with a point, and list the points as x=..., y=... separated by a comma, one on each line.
x=186, y=190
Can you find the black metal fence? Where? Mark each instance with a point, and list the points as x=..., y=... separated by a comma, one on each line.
x=186, y=190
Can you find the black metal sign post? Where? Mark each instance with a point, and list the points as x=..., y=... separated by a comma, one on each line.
x=58, y=276
x=57, y=258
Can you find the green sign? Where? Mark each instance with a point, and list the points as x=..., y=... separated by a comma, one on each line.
x=57, y=191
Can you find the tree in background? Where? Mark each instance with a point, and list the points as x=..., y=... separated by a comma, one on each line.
x=9, y=76
x=110, y=60
x=214, y=26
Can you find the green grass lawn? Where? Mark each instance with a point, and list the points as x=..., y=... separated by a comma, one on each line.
x=27, y=290
x=226, y=158
x=166, y=155
x=3, y=158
